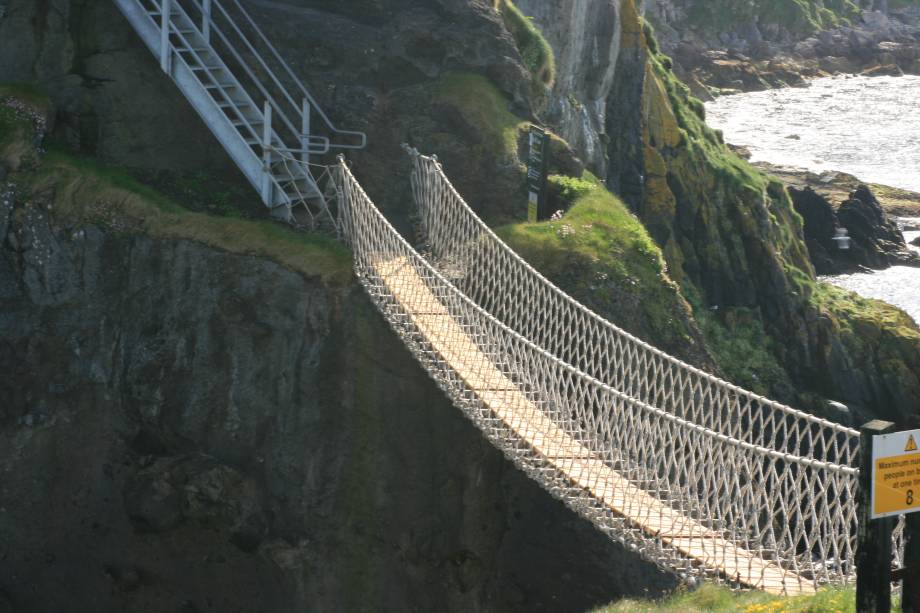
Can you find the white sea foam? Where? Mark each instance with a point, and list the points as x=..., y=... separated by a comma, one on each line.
x=865, y=126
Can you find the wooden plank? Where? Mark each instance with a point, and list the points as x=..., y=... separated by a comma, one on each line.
x=565, y=453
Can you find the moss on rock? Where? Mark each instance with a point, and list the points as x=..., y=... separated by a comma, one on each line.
x=601, y=254
x=535, y=50
x=734, y=242
x=79, y=191
x=798, y=17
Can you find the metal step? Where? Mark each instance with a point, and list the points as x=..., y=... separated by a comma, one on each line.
x=227, y=101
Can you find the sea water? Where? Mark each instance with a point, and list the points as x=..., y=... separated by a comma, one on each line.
x=864, y=126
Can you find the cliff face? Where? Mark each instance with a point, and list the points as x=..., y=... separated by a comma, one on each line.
x=224, y=420
x=731, y=237
x=184, y=426
x=206, y=413
x=586, y=38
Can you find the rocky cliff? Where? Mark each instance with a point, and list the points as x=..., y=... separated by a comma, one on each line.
x=205, y=413
x=731, y=237
x=223, y=416
x=719, y=45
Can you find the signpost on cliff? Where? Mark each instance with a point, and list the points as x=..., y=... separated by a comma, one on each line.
x=536, y=173
x=889, y=486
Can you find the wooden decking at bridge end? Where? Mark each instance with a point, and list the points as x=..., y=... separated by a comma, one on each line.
x=582, y=467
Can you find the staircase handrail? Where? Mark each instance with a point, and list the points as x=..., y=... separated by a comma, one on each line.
x=330, y=125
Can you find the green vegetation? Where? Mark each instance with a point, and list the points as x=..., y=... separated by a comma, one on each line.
x=797, y=16
x=81, y=190
x=86, y=192
x=602, y=254
x=722, y=600
x=482, y=105
x=28, y=93
x=900, y=202
x=534, y=48
x=864, y=318
x=570, y=189
x=742, y=348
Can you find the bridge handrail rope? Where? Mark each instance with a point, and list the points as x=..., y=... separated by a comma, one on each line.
x=460, y=241
x=688, y=497
x=405, y=249
x=689, y=471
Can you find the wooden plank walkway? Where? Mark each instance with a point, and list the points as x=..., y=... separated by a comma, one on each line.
x=560, y=450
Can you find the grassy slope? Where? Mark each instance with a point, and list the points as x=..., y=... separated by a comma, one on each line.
x=482, y=105
x=721, y=600
x=598, y=250
x=87, y=192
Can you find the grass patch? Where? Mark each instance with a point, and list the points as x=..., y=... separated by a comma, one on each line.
x=482, y=105
x=723, y=600
x=28, y=93
x=535, y=50
x=863, y=317
x=87, y=192
x=602, y=254
x=896, y=201
x=570, y=189
x=742, y=348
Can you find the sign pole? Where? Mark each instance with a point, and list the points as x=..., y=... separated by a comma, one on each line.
x=910, y=589
x=873, y=549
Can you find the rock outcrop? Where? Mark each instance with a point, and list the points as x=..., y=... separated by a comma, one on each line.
x=586, y=38
x=734, y=242
x=875, y=241
x=722, y=46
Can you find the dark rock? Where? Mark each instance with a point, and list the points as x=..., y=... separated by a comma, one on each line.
x=200, y=489
x=222, y=426
x=876, y=241
x=152, y=503
x=916, y=242
x=820, y=223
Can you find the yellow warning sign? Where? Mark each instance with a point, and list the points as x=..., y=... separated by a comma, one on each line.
x=895, y=474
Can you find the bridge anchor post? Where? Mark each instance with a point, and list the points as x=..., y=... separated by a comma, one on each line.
x=873, y=547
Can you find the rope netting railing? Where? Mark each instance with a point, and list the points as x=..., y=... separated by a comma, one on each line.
x=694, y=499
x=496, y=278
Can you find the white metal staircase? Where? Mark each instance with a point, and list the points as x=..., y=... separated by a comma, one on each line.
x=248, y=96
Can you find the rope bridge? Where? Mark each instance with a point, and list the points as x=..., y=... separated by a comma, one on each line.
x=695, y=474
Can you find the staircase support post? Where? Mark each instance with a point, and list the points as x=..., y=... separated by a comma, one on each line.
x=206, y=20
x=267, y=154
x=305, y=130
x=165, y=10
